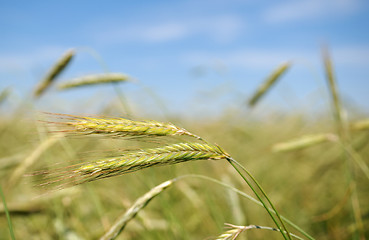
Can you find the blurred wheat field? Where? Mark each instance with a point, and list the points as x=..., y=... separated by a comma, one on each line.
x=305, y=184
x=319, y=180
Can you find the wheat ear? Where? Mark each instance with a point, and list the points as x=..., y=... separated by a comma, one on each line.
x=130, y=162
x=94, y=79
x=268, y=83
x=118, y=126
x=235, y=230
x=55, y=70
x=231, y=234
x=304, y=142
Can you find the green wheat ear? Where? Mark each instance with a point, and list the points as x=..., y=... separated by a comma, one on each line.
x=268, y=83
x=132, y=161
x=117, y=126
x=55, y=71
x=94, y=80
x=304, y=142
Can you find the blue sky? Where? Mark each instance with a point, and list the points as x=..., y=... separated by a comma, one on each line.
x=197, y=56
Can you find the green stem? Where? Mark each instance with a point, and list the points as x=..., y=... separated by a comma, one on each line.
x=248, y=197
x=232, y=161
x=7, y=215
x=343, y=133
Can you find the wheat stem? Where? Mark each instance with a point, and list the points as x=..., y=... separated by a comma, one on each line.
x=249, y=198
x=233, y=162
x=140, y=203
x=344, y=137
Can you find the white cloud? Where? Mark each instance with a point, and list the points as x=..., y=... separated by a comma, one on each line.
x=352, y=56
x=221, y=28
x=309, y=9
x=163, y=32
x=246, y=58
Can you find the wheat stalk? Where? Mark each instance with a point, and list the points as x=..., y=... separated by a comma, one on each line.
x=119, y=127
x=131, y=161
x=344, y=139
x=55, y=70
x=94, y=79
x=140, y=203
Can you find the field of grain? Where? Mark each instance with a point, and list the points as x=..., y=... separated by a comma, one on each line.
x=57, y=183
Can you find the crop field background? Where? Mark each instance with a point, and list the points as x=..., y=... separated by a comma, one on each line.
x=309, y=154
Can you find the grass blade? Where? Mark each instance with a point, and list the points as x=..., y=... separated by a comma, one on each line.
x=10, y=225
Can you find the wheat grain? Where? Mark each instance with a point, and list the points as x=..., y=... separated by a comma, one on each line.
x=94, y=79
